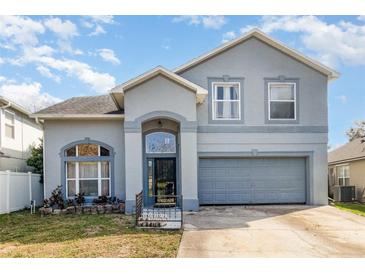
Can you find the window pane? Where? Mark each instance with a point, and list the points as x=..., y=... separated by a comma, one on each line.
x=105, y=170
x=340, y=181
x=71, y=169
x=88, y=150
x=71, y=152
x=150, y=177
x=71, y=188
x=233, y=92
x=160, y=142
x=89, y=187
x=88, y=169
x=282, y=92
x=105, y=187
x=346, y=171
x=104, y=151
x=9, y=118
x=227, y=110
x=282, y=110
x=9, y=131
x=220, y=93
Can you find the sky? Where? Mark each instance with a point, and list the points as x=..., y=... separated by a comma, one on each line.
x=47, y=59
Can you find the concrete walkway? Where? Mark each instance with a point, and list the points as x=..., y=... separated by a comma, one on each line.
x=272, y=231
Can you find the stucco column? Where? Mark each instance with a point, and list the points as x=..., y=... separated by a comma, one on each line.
x=189, y=170
x=133, y=168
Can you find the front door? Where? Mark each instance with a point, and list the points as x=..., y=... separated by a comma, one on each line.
x=161, y=181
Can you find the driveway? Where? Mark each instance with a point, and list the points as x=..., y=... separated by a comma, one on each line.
x=272, y=231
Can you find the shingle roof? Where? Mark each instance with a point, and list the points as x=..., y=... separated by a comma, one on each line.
x=102, y=104
x=351, y=151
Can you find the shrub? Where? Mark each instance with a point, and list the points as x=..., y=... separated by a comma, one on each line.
x=80, y=199
x=56, y=198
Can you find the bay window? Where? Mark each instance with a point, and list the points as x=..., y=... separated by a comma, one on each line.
x=88, y=170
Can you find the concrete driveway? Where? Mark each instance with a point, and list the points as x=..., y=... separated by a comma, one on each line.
x=272, y=231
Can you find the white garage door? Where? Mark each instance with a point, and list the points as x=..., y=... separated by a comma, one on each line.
x=251, y=180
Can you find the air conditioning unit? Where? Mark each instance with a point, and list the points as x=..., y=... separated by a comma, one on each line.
x=344, y=193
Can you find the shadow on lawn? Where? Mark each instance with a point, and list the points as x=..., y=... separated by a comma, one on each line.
x=24, y=228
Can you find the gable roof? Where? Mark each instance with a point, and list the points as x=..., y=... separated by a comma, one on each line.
x=332, y=74
x=79, y=107
x=118, y=91
x=354, y=150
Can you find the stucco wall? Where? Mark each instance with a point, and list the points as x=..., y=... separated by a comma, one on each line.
x=159, y=94
x=357, y=176
x=61, y=133
x=254, y=61
x=27, y=133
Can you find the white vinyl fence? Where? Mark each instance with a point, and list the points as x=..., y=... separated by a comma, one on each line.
x=17, y=189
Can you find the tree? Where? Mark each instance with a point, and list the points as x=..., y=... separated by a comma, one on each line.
x=36, y=159
x=357, y=132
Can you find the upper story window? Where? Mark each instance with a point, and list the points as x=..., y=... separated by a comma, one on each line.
x=226, y=101
x=343, y=175
x=87, y=171
x=282, y=101
x=9, y=124
x=160, y=142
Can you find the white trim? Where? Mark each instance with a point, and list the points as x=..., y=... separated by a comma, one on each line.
x=332, y=74
x=214, y=92
x=269, y=84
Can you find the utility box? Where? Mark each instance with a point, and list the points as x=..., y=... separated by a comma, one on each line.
x=344, y=193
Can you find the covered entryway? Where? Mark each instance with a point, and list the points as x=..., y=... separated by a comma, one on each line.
x=252, y=180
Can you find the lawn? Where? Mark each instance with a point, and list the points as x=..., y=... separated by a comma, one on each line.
x=114, y=235
x=358, y=209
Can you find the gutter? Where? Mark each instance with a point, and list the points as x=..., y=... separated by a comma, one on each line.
x=346, y=160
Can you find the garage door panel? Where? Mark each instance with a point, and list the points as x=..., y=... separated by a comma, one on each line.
x=251, y=180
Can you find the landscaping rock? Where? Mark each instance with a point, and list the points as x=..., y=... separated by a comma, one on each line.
x=64, y=211
x=86, y=209
x=122, y=207
x=78, y=209
x=101, y=209
x=94, y=210
x=56, y=211
x=45, y=211
x=108, y=209
x=115, y=208
x=70, y=210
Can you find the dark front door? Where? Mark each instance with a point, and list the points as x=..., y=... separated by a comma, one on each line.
x=161, y=181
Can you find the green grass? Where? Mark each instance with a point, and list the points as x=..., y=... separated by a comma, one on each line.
x=114, y=235
x=358, y=209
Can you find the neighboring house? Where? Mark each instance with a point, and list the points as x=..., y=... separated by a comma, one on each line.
x=346, y=167
x=245, y=123
x=18, y=132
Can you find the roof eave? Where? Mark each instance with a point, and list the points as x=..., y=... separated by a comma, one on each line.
x=78, y=116
x=330, y=73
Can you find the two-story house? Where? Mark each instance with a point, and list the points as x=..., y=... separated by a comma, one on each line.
x=245, y=123
x=18, y=132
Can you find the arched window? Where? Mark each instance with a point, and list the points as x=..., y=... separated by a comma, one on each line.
x=87, y=170
x=160, y=142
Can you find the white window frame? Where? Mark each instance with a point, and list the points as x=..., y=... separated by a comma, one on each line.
x=215, y=85
x=5, y=123
x=77, y=176
x=342, y=176
x=292, y=101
